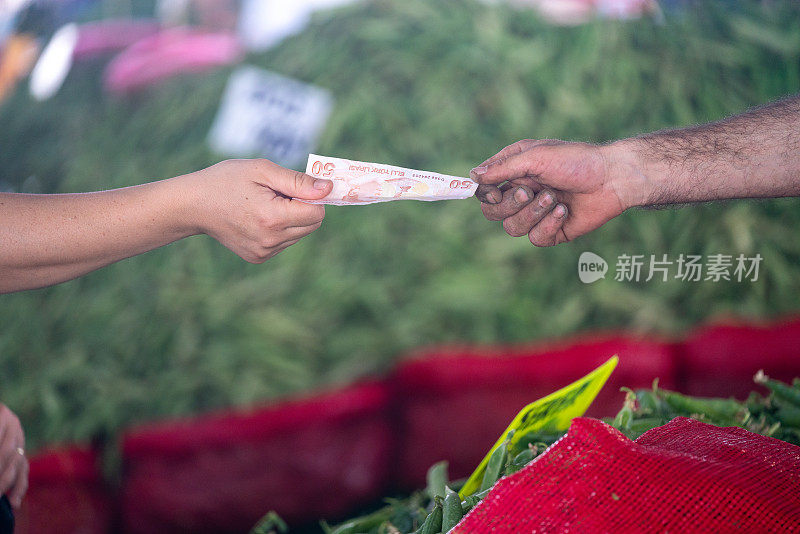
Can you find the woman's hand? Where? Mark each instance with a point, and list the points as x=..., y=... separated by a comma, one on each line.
x=252, y=206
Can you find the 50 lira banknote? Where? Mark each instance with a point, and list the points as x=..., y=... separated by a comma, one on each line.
x=358, y=182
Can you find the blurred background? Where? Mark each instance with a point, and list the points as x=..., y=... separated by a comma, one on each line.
x=102, y=94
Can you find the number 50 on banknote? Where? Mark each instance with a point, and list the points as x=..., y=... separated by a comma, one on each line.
x=358, y=182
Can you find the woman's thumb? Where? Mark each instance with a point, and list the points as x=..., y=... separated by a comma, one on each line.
x=296, y=184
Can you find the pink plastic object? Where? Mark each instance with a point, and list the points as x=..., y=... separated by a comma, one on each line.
x=167, y=54
x=103, y=37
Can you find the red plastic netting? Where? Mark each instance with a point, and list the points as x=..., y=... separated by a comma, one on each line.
x=685, y=476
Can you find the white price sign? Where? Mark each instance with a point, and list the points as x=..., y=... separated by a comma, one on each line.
x=264, y=114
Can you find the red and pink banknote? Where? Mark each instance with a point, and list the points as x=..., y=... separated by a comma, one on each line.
x=358, y=182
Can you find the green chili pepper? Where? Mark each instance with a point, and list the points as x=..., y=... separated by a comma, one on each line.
x=402, y=518
x=623, y=419
x=470, y=502
x=717, y=410
x=648, y=402
x=546, y=436
x=270, y=523
x=350, y=527
x=779, y=389
x=788, y=416
x=437, y=480
x=433, y=523
x=363, y=524
x=494, y=466
x=521, y=460
x=754, y=403
x=646, y=423
x=451, y=511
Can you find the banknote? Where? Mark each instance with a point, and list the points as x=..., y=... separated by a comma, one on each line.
x=358, y=182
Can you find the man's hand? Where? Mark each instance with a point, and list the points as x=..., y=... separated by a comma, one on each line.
x=250, y=206
x=13, y=464
x=553, y=191
x=556, y=191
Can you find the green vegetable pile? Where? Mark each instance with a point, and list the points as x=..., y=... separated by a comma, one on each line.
x=438, y=508
x=777, y=415
x=431, y=85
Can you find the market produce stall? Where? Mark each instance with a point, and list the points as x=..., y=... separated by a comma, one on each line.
x=381, y=438
x=405, y=367
x=694, y=465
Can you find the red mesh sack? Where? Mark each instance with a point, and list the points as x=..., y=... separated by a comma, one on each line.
x=66, y=495
x=309, y=458
x=685, y=476
x=478, y=390
x=741, y=350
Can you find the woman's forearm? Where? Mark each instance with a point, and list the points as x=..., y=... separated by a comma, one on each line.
x=46, y=239
x=250, y=206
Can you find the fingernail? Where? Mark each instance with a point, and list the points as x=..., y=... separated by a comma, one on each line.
x=478, y=170
x=546, y=200
x=560, y=211
x=495, y=196
x=321, y=184
x=520, y=195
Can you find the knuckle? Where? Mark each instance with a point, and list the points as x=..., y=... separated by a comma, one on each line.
x=318, y=214
x=536, y=212
x=268, y=243
x=254, y=255
x=490, y=212
x=268, y=223
x=546, y=197
x=507, y=210
x=548, y=193
x=522, y=144
x=512, y=228
x=537, y=240
x=298, y=179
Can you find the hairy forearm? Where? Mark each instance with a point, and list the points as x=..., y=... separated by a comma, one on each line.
x=752, y=155
x=46, y=239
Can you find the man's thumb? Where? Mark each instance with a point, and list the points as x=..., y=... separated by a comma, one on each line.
x=296, y=184
x=527, y=164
